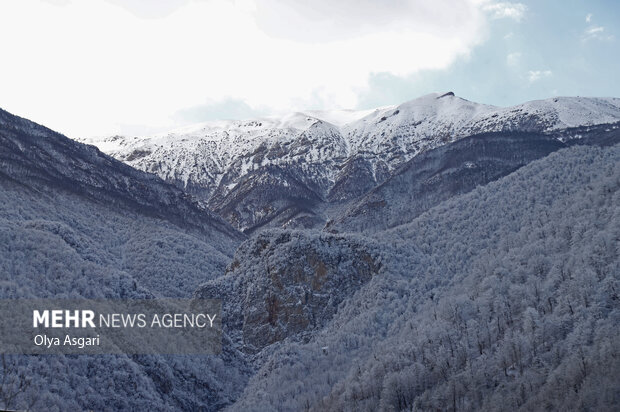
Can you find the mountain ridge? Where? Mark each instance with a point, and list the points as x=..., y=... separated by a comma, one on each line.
x=47, y=160
x=332, y=154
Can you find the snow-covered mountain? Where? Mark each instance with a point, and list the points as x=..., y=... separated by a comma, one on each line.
x=47, y=159
x=331, y=156
x=494, y=287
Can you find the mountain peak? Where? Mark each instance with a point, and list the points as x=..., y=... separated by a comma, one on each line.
x=318, y=150
x=446, y=95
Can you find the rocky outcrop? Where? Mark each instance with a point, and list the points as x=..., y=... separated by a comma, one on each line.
x=285, y=284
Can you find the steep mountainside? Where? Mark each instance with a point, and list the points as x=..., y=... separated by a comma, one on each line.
x=505, y=298
x=334, y=157
x=37, y=157
x=455, y=168
x=75, y=223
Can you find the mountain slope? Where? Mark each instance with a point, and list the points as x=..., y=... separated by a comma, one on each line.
x=333, y=156
x=41, y=159
x=455, y=168
x=505, y=298
x=432, y=119
x=75, y=223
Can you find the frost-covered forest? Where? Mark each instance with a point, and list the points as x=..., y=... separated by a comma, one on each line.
x=59, y=241
x=503, y=298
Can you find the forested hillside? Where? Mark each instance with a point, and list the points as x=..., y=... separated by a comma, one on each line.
x=502, y=299
x=486, y=278
x=75, y=223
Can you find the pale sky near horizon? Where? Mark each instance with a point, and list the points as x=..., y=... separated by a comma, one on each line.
x=101, y=67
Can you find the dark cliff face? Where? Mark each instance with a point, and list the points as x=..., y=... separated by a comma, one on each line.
x=41, y=159
x=285, y=284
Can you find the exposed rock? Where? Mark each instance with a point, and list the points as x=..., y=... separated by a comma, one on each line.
x=288, y=283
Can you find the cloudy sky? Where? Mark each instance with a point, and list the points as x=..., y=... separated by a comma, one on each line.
x=100, y=67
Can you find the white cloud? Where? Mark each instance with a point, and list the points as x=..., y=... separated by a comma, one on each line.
x=512, y=59
x=535, y=75
x=98, y=67
x=514, y=11
x=596, y=33
x=595, y=30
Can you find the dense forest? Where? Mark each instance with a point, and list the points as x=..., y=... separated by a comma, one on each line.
x=501, y=298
